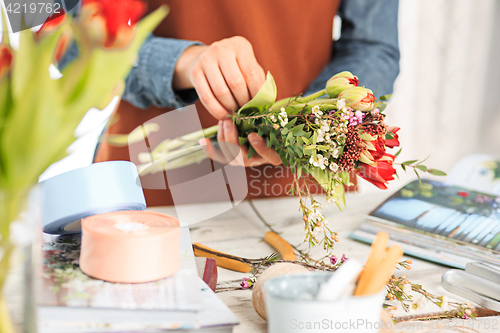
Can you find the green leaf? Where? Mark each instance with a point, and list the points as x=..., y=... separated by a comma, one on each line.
x=298, y=129
x=399, y=152
x=299, y=151
x=284, y=131
x=418, y=176
x=261, y=131
x=436, y=172
x=422, y=168
x=251, y=152
x=389, y=136
x=283, y=157
x=385, y=97
x=263, y=100
x=289, y=138
x=272, y=137
x=310, y=147
x=409, y=162
x=403, y=167
x=291, y=123
x=306, y=140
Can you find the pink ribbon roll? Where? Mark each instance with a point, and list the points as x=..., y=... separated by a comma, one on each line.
x=130, y=246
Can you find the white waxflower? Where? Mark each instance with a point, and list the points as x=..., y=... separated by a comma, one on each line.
x=407, y=288
x=316, y=111
x=319, y=161
x=314, y=216
x=316, y=205
x=319, y=231
x=334, y=152
x=444, y=303
x=324, y=126
x=334, y=167
x=273, y=118
x=419, y=304
x=283, y=121
x=341, y=103
x=283, y=113
x=321, y=136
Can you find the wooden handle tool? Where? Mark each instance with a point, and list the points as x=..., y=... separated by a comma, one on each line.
x=222, y=259
x=281, y=245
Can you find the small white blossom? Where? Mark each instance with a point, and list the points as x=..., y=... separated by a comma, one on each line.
x=444, y=303
x=418, y=305
x=407, y=288
x=324, y=126
x=273, y=118
x=334, y=167
x=341, y=103
x=321, y=136
x=319, y=231
x=316, y=111
x=319, y=161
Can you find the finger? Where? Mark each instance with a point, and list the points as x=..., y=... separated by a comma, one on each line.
x=206, y=96
x=252, y=72
x=259, y=144
x=232, y=140
x=212, y=152
x=229, y=142
x=219, y=86
x=235, y=80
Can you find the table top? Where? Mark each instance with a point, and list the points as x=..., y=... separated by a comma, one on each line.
x=240, y=232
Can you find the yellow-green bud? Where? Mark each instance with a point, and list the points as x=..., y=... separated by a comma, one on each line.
x=339, y=82
x=358, y=98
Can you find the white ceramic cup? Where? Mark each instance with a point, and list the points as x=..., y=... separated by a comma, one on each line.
x=291, y=307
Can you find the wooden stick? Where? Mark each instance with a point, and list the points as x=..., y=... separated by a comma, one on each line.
x=375, y=258
x=383, y=273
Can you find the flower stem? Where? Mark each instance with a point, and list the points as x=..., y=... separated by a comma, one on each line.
x=6, y=325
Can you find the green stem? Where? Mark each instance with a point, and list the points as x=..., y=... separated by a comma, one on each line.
x=287, y=101
x=6, y=325
x=312, y=96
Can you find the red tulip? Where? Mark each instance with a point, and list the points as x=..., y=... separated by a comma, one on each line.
x=6, y=59
x=62, y=46
x=358, y=98
x=374, y=148
x=110, y=24
x=340, y=82
x=379, y=173
x=51, y=24
x=394, y=142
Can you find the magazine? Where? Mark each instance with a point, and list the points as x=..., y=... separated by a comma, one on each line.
x=70, y=301
x=452, y=222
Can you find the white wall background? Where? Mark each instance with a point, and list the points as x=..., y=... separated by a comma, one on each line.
x=446, y=96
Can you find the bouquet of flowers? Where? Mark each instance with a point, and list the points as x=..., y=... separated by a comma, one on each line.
x=325, y=137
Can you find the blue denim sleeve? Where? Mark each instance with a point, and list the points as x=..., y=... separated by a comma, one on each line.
x=150, y=81
x=367, y=47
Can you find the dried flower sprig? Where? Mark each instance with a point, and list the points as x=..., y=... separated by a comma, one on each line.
x=400, y=288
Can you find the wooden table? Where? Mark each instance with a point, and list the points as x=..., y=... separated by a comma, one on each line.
x=240, y=232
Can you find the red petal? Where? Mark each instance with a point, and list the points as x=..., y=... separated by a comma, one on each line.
x=354, y=81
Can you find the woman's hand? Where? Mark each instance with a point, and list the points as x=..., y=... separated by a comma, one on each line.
x=225, y=74
x=230, y=148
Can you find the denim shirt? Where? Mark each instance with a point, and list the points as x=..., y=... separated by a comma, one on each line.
x=368, y=47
